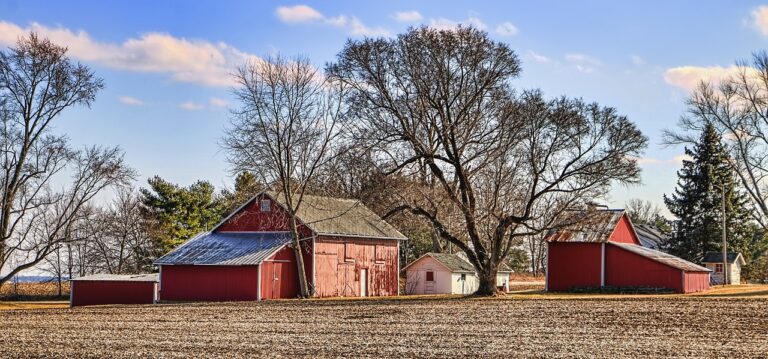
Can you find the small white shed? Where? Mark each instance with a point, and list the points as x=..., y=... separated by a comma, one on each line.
x=445, y=273
x=714, y=261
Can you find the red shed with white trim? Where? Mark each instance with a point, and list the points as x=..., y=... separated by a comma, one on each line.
x=601, y=248
x=347, y=250
x=101, y=289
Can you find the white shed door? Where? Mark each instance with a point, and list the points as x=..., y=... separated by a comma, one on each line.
x=363, y=282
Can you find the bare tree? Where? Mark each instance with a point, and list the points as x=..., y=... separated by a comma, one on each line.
x=37, y=83
x=288, y=120
x=738, y=108
x=439, y=105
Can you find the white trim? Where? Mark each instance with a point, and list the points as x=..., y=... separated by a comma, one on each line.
x=314, y=267
x=398, y=269
x=258, y=282
x=71, y=292
x=682, y=288
x=276, y=261
x=159, y=281
x=358, y=236
x=602, y=264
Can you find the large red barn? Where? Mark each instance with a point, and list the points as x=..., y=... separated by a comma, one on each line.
x=601, y=249
x=347, y=249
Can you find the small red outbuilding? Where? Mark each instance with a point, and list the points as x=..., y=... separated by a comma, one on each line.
x=601, y=249
x=100, y=289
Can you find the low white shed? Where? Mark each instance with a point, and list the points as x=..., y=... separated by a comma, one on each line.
x=445, y=273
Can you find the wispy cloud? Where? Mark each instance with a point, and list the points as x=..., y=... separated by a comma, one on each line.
x=637, y=60
x=304, y=14
x=130, y=101
x=507, y=29
x=583, y=63
x=760, y=19
x=442, y=23
x=407, y=16
x=191, y=106
x=689, y=77
x=183, y=60
x=674, y=161
x=218, y=102
x=537, y=57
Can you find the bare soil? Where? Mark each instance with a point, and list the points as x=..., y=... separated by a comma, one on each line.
x=660, y=326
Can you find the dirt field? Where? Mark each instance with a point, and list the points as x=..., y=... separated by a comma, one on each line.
x=636, y=327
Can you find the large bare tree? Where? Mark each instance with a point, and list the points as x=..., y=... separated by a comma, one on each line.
x=44, y=183
x=738, y=108
x=285, y=131
x=494, y=166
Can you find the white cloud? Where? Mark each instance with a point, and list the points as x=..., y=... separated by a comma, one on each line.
x=538, y=57
x=689, y=77
x=298, y=13
x=674, y=161
x=583, y=63
x=218, y=102
x=303, y=14
x=760, y=19
x=448, y=24
x=191, y=106
x=507, y=29
x=407, y=16
x=183, y=60
x=130, y=101
x=637, y=60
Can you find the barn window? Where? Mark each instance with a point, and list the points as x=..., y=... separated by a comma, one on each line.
x=349, y=249
x=719, y=268
x=266, y=205
x=430, y=276
x=463, y=277
x=381, y=252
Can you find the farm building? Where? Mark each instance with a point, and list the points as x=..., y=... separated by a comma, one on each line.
x=114, y=289
x=651, y=236
x=445, y=273
x=347, y=251
x=601, y=248
x=714, y=261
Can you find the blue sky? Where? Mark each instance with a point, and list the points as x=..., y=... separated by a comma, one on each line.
x=166, y=63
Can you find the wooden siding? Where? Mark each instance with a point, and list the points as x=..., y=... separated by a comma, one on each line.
x=573, y=264
x=112, y=292
x=696, y=282
x=626, y=269
x=251, y=219
x=339, y=261
x=623, y=232
x=192, y=283
x=279, y=277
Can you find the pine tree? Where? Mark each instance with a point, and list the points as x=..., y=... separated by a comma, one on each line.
x=698, y=202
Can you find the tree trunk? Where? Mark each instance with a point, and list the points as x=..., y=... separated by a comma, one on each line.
x=487, y=282
x=304, y=291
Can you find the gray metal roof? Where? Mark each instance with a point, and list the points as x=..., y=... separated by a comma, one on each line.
x=587, y=226
x=227, y=248
x=661, y=257
x=717, y=257
x=151, y=277
x=650, y=236
x=456, y=262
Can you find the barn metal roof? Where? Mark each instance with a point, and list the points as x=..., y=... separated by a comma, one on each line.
x=650, y=236
x=717, y=257
x=587, y=226
x=151, y=277
x=334, y=216
x=227, y=248
x=662, y=257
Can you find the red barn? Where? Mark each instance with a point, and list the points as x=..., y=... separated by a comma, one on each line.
x=347, y=249
x=100, y=289
x=602, y=249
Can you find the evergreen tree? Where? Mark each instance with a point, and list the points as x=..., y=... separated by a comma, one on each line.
x=246, y=186
x=178, y=213
x=698, y=202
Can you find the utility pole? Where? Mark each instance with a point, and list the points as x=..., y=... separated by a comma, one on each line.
x=725, y=242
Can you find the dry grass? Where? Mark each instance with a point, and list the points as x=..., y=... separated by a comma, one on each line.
x=32, y=291
x=444, y=327
x=33, y=305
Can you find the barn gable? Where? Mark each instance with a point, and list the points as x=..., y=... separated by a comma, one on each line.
x=596, y=226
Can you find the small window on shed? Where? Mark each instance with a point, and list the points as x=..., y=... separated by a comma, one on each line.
x=266, y=205
x=463, y=276
x=719, y=268
x=349, y=249
x=430, y=276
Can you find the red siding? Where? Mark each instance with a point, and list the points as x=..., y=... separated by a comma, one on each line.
x=341, y=259
x=112, y=292
x=278, y=275
x=623, y=233
x=252, y=219
x=627, y=269
x=573, y=264
x=208, y=283
x=696, y=282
